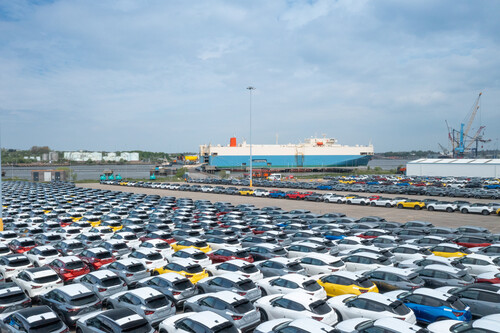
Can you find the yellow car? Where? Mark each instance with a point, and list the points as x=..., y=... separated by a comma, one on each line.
x=450, y=250
x=344, y=282
x=123, y=183
x=185, y=267
x=245, y=191
x=94, y=221
x=114, y=225
x=351, y=196
x=191, y=242
x=498, y=211
x=411, y=204
x=75, y=216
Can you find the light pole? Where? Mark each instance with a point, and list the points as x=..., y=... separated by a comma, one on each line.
x=251, y=158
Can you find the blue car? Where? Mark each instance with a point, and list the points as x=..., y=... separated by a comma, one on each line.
x=430, y=305
x=277, y=194
x=324, y=187
x=334, y=234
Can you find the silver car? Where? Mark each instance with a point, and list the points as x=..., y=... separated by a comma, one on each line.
x=175, y=286
x=229, y=305
x=146, y=301
x=116, y=247
x=129, y=270
x=117, y=320
x=230, y=282
x=104, y=283
x=280, y=266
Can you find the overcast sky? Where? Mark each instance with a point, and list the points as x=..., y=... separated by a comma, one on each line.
x=171, y=75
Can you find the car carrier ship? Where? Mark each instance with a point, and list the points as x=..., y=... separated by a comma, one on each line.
x=313, y=153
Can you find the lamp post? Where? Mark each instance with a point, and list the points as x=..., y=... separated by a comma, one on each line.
x=251, y=158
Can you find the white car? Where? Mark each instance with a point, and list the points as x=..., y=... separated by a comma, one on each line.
x=349, y=243
x=261, y=192
x=363, y=261
x=386, y=325
x=408, y=251
x=319, y=263
x=332, y=197
x=297, y=325
x=69, y=232
x=207, y=321
x=128, y=238
x=159, y=246
x=371, y=306
x=358, y=201
x=150, y=258
x=452, y=326
x=195, y=255
x=290, y=283
x=42, y=255
x=479, y=264
x=444, y=206
x=478, y=208
x=37, y=281
x=237, y=266
x=384, y=202
x=12, y=264
x=295, y=306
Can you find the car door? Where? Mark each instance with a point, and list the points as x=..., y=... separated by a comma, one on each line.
x=278, y=286
x=355, y=309
x=294, y=310
x=278, y=308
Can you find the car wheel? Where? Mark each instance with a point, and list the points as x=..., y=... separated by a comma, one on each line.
x=339, y=316
x=449, y=210
x=464, y=211
x=317, y=200
x=485, y=212
x=210, y=274
x=109, y=306
x=430, y=209
x=263, y=316
x=201, y=290
x=188, y=310
x=400, y=206
x=326, y=200
x=373, y=204
x=78, y=330
x=155, y=273
x=339, y=201
x=263, y=292
x=417, y=207
x=348, y=202
x=388, y=205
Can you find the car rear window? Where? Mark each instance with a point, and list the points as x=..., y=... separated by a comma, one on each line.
x=130, y=237
x=242, y=254
x=311, y=285
x=162, y=245
x=157, y=302
x=199, y=256
x=19, y=262
x=12, y=297
x=456, y=303
x=83, y=299
x=74, y=246
x=49, y=253
x=200, y=244
x=242, y=306
x=246, y=285
x=139, y=326
x=338, y=263
x=194, y=269
x=294, y=266
x=249, y=269
x=120, y=246
x=111, y=281
x=28, y=243
x=46, y=279
x=320, y=307
x=399, y=308
x=135, y=268
x=414, y=278
x=226, y=327
x=154, y=256
x=182, y=284
x=364, y=282
x=46, y=325
x=74, y=265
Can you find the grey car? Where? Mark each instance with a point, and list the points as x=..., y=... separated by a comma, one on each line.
x=254, y=240
x=436, y=276
x=229, y=305
x=280, y=266
x=116, y=247
x=103, y=283
x=13, y=298
x=175, y=286
x=483, y=298
x=115, y=321
x=392, y=278
x=129, y=270
x=146, y=301
x=267, y=251
x=33, y=319
x=71, y=302
x=230, y=282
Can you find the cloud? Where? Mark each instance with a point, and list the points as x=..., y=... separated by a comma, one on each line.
x=170, y=75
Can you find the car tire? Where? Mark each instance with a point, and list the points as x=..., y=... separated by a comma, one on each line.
x=210, y=274
x=449, y=210
x=327, y=200
x=201, y=290
x=188, y=309
x=430, y=209
x=373, y=204
x=339, y=316
x=339, y=201
x=263, y=316
x=485, y=212
x=417, y=207
x=155, y=273
x=348, y=202
x=464, y=211
x=400, y=206
x=263, y=293
x=388, y=205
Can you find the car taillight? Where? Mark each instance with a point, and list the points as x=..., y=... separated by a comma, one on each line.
x=128, y=275
x=317, y=318
x=27, y=302
x=457, y=314
x=102, y=290
x=149, y=262
x=124, y=284
x=189, y=275
x=72, y=310
x=402, y=318
x=362, y=291
x=237, y=317
x=147, y=313
x=9, y=269
x=41, y=258
x=241, y=294
x=36, y=287
x=176, y=293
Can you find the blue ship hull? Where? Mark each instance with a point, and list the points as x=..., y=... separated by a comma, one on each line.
x=290, y=161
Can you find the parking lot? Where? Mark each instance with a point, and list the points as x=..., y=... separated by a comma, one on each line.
x=443, y=219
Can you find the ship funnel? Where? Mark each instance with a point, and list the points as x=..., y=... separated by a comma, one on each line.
x=232, y=142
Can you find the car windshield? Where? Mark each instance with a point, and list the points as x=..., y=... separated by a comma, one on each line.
x=83, y=299
x=246, y=285
x=111, y=281
x=12, y=297
x=200, y=244
x=249, y=269
x=242, y=306
x=399, y=308
x=74, y=265
x=194, y=269
x=157, y=302
x=120, y=246
x=465, y=276
x=130, y=237
x=28, y=243
x=46, y=279
x=414, y=278
x=456, y=303
x=311, y=285
x=75, y=246
x=320, y=307
x=182, y=284
x=135, y=268
x=364, y=282
x=162, y=245
x=139, y=326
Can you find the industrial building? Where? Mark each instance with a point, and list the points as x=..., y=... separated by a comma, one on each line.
x=83, y=156
x=485, y=168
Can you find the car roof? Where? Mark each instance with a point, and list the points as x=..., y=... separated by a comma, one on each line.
x=396, y=270
x=37, y=313
x=299, y=278
x=402, y=326
x=145, y=292
x=238, y=262
x=380, y=298
x=267, y=246
x=102, y=273
x=40, y=271
x=347, y=274
x=98, y=250
x=185, y=262
x=190, y=250
x=74, y=289
x=227, y=296
x=68, y=259
x=300, y=297
x=367, y=254
x=432, y=293
x=117, y=314
x=129, y=261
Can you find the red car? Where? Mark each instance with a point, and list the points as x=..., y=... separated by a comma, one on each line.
x=163, y=235
x=370, y=234
x=222, y=255
x=69, y=267
x=491, y=277
x=374, y=197
x=97, y=257
x=472, y=241
x=22, y=245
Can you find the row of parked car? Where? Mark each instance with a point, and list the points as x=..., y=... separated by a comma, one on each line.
x=111, y=261
x=462, y=206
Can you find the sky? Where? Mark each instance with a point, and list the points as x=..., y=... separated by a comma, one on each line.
x=170, y=75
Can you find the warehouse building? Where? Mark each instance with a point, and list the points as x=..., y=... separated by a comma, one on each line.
x=485, y=168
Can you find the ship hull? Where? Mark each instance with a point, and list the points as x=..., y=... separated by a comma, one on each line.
x=289, y=161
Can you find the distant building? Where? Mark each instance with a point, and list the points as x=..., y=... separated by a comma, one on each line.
x=81, y=156
x=54, y=156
